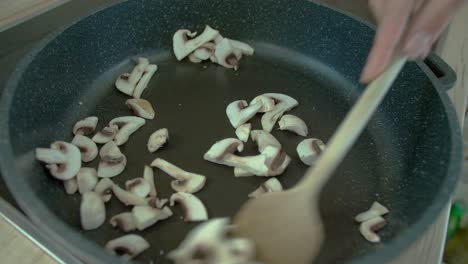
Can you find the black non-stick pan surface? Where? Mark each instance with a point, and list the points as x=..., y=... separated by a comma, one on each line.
x=407, y=159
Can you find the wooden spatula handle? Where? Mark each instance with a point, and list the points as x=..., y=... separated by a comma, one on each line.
x=350, y=129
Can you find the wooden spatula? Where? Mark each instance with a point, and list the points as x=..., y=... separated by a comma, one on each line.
x=286, y=226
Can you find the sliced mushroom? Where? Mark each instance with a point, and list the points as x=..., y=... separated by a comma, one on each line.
x=127, y=198
x=150, y=70
x=127, y=82
x=86, y=179
x=245, y=48
x=158, y=139
x=283, y=103
x=267, y=103
x=264, y=139
x=70, y=186
x=88, y=148
x=368, y=228
x=146, y=216
x=375, y=210
x=124, y=222
x=243, y=132
x=106, y=134
x=270, y=162
x=112, y=161
x=271, y=185
x=239, y=172
x=183, y=45
x=184, y=181
x=192, y=58
x=141, y=108
x=193, y=207
x=63, y=159
x=309, y=150
x=239, y=112
x=138, y=186
x=294, y=124
x=203, y=53
x=148, y=175
x=127, y=125
x=241, y=248
x=226, y=55
x=104, y=188
x=92, y=211
x=85, y=126
x=155, y=202
x=127, y=246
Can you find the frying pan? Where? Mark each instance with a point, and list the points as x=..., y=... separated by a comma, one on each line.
x=408, y=158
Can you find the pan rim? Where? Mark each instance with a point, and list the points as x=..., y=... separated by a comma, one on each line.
x=92, y=252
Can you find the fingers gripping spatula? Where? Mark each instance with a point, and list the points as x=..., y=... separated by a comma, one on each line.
x=286, y=226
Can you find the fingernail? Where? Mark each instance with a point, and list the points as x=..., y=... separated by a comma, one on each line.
x=417, y=45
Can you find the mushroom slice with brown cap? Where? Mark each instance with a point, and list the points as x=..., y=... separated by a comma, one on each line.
x=92, y=211
x=123, y=221
x=148, y=175
x=127, y=246
x=294, y=124
x=375, y=210
x=138, y=186
x=63, y=159
x=184, y=181
x=141, y=108
x=202, y=242
x=104, y=188
x=86, y=179
x=239, y=112
x=309, y=150
x=243, y=132
x=226, y=55
x=283, y=103
x=86, y=126
x=71, y=186
x=193, y=207
x=106, y=134
x=88, y=148
x=183, y=46
x=271, y=185
x=369, y=227
x=158, y=139
x=267, y=103
x=150, y=70
x=127, y=82
x=239, y=172
x=127, y=198
x=112, y=161
x=146, y=216
x=127, y=125
x=263, y=139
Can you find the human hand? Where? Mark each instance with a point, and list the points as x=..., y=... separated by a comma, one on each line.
x=411, y=26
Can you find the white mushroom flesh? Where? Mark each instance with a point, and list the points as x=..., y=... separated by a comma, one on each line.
x=294, y=124
x=192, y=58
x=138, y=186
x=92, y=211
x=155, y=202
x=150, y=70
x=283, y=104
x=183, y=46
x=127, y=125
x=61, y=167
x=127, y=82
x=88, y=148
x=104, y=188
x=245, y=48
x=71, y=186
x=127, y=198
x=239, y=172
x=309, y=150
x=86, y=179
x=106, y=134
x=205, y=51
x=375, y=210
x=158, y=139
x=146, y=216
x=239, y=112
x=194, y=209
x=271, y=185
x=124, y=222
x=86, y=126
x=127, y=246
x=148, y=175
x=112, y=161
x=264, y=139
x=184, y=181
x=243, y=132
x=141, y=108
x=226, y=55
x=369, y=227
x=267, y=103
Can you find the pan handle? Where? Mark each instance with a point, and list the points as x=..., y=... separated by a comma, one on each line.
x=444, y=74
